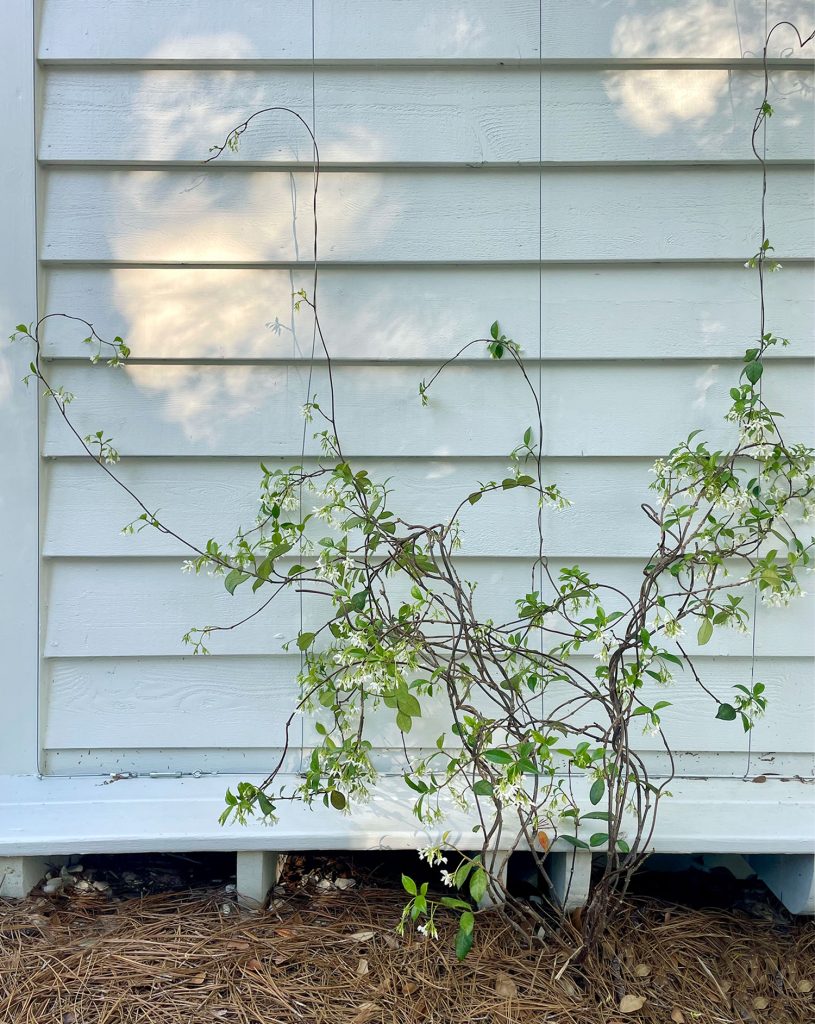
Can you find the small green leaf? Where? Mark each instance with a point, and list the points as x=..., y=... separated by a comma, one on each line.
x=408, y=705
x=462, y=872
x=408, y=885
x=404, y=722
x=726, y=712
x=494, y=330
x=452, y=903
x=338, y=801
x=482, y=788
x=753, y=371
x=498, y=757
x=358, y=600
x=705, y=631
x=305, y=640
x=467, y=922
x=574, y=841
x=265, y=804
x=464, y=943
x=478, y=884
x=596, y=791
x=475, y=497
x=234, y=579
x=623, y=846
x=598, y=839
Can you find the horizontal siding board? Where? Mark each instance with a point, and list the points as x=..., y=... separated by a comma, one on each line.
x=255, y=410
x=139, y=703
x=410, y=29
x=678, y=28
x=84, y=510
x=406, y=116
x=153, y=29
x=211, y=498
x=403, y=313
x=173, y=29
x=78, y=763
x=127, y=608
x=241, y=215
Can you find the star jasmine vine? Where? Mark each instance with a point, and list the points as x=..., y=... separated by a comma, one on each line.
x=530, y=742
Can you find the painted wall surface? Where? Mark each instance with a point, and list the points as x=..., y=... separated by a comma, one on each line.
x=580, y=171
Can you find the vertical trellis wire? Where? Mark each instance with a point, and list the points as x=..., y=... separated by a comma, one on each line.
x=313, y=339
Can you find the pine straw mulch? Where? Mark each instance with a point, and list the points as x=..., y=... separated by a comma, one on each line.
x=334, y=957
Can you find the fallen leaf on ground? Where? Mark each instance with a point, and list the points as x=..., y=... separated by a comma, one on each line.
x=361, y=936
x=630, y=1004
x=365, y=1012
x=804, y=986
x=362, y=967
x=254, y=964
x=642, y=970
x=197, y=979
x=505, y=986
x=761, y=1003
x=677, y=1016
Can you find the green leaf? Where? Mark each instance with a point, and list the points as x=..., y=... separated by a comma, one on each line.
x=462, y=872
x=464, y=943
x=478, y=884
x=305, y=640
x=754, y=370
x=234, y=579
x=598, y=815
x=408, y=705
x=482, y=788
x=598, y=839
x=265, y=804
x=475, y=497
x=408, y=885
x=574, y=841
x=528, y=436
x=705, y=631
x=726, y=712
x=498, y=757
x=338, y=801
x=358, y=600
x=623, y=846
x=467, y=922
x=404, y=722
x=452, y=903
x=596, y=791
x=494, y=330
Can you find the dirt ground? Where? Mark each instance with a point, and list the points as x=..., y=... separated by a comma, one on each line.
x=332, y=955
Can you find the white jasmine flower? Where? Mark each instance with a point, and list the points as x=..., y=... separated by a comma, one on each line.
x=431, y=854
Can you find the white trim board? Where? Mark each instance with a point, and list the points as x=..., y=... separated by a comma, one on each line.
x=19, y=519
x=57, y=816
